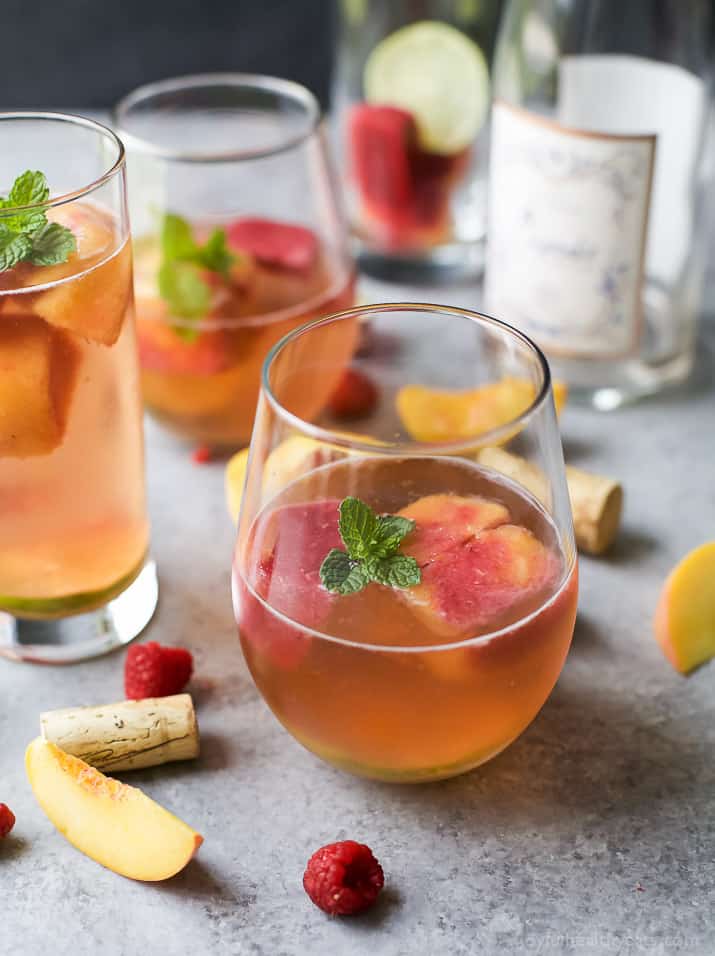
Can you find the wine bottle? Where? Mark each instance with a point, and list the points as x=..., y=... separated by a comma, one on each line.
x=598, y=203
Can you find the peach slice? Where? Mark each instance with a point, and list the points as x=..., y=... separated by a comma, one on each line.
x=477, y=568
x=38, y=370
x=293, y=457
x=289, y=460
x=234, y=479
x=443, y=521
x=112, y=823
x=439, y=415
x=685, y=616
x=91, y=303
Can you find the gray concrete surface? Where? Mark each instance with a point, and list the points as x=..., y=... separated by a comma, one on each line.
x=593, y=833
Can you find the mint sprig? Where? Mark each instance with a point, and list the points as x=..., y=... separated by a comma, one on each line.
x=26, y=235
x=372, y=542
x=181, y=284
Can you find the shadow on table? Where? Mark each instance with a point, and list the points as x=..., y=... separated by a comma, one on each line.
x=197, y=881
x=588, y=755
x=12, y=847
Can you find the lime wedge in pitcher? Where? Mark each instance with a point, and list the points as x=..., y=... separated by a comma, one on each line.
x=437, y=74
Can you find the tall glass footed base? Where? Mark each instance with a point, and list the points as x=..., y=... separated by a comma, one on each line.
x=67, y=640
x=438, y=264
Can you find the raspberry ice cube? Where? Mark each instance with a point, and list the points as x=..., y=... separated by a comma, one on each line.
x=38, y=368
x=290, y=544
x=283, y=245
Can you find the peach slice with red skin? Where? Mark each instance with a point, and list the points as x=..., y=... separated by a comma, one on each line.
x=443, y=520
x=476, y=566
x=38, y=371
x=112, y=823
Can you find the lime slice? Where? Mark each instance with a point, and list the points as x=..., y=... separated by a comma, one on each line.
x=438, y=74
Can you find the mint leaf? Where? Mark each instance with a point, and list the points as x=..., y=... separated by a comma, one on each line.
x=29, y=189
x=372, y=543
x=28, y=235
x=341, y=575
x=398, y=571
x=177, y=240
x=357, y=526
x=14, y=247
x=52, y=243
x=390, y=531
x=181, y=285
x=214, y=255
x=186, y=293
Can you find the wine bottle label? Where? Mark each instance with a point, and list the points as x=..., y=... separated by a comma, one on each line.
x=568, y=218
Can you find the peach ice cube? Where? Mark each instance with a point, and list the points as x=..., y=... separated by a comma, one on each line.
x=442, y=521
x=37, y=375
x=94, y=297
x=477, y=569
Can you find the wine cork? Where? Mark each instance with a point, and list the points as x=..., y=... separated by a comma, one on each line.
x=596, y=501
x=128, y=735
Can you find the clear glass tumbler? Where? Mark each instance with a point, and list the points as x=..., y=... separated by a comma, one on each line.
x=411, y=98
x=415, y=646
x=239, y=237
x=74, y=577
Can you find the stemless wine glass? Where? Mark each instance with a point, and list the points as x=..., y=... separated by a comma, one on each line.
x=426, y=642
x=238, y=238
x=74, y=577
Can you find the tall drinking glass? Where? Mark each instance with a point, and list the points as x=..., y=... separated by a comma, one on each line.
x=238, y=238
x=404, y=604
x=411, y=103
x=74, y=577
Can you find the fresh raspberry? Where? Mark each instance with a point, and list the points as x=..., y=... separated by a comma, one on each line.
x=151, y=670
x=354, y=397
x=7, y=819
x=201, y=455
x=343, y=878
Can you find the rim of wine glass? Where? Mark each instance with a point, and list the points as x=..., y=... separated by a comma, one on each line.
x=75, y=120
x=413, y=448
x=286, y=88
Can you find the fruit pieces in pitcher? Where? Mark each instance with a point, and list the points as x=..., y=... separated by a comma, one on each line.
x=404, y=190
x=477, y=567
x=427, y=94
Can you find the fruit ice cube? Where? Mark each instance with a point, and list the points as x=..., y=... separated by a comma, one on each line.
x=161, y=349
x=38, y=367
x=443, y=521
x=283, y=567
x=94, y=303
x=380, y=141
x=474, y=585
x=279, y=244
x=93, y=298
